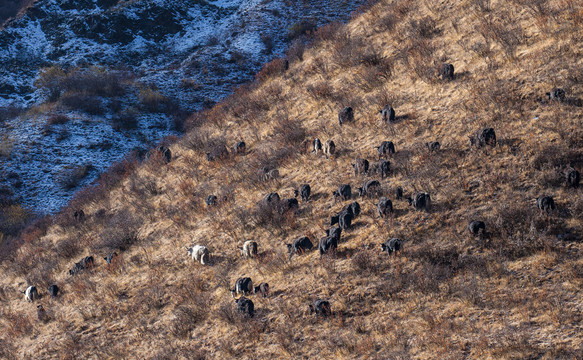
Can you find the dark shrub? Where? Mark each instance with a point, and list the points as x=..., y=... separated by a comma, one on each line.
x=57, y=119
x=120, y=231
x=300, y=28
x=271, y=69
x=127, y=120
x=296, y=50
x=72, y=176
x=90, y=104
x=154, y=101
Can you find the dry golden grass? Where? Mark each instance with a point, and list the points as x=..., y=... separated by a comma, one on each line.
x=448, y=295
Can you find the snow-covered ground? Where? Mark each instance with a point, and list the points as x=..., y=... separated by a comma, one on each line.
x=165, y=42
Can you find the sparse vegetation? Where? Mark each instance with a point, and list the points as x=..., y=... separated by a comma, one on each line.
x=448, y=294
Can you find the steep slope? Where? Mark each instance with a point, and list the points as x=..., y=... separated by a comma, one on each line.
x=94, y=64
x=515, y=293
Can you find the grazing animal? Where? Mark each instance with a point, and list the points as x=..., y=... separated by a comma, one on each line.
x=199, y=253
x=384, y=168
x=85, y=263
x=88, y=262
x=327, y=244
x=572, y=177
x=446, y=71
x=345, y=115
x=422, y=201
x=30, y=294
x=399, y=193
x=271, y=175
x=79, y=215
x=165, y=152
x=53, y=291
x=347, y=209
x=545, y=203
x=334, y=219
x=243, y=285
x=211, y=200
x=345, y=219
x=305, y=191
x=433, y=146
x=386, y=148
x=249, y=249
x=77, y=268
x=109, y=258
x=486, y=136
x=387, y=114
x=245, y=306
x=306, y=146
x=329, y=148
x=556, y=94
x=262, y=289
x=272, y=199
x=477, y=226
x=41, y=313
x=370, y=188
x=392, y=245
x=317, y=145
x=240, y=147
x=384, y=206
x=355, y=207
x=334, y=232
x=320, y=308
x=286, y=205
x=266, y=174
x=344, y=192
x=299, y=246
x=360, y=166
x=217, y=152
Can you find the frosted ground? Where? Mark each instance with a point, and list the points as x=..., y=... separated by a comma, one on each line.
x=213, y=44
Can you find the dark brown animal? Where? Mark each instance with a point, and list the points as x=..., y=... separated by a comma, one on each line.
x=387, y=114
x=345, y=115
x=360, y=166
x=486, y=136
x=446, y=71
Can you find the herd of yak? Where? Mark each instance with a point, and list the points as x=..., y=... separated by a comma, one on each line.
x=343, y=219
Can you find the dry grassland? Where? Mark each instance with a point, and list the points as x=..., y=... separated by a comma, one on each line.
x=513, y=295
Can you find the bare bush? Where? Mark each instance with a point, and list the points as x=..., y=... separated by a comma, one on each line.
x=419, y=58
x=327, y=32
x=424, y=28
x=7, y=350
x=18, y=325
x=364, y=261
x=227, y=312
x=296, y=50
x=507, y=35
x=127, y=120
x=68, y=248
x=271, y=69
x=300, y=28
x=320, y=90
x=72, y=176
x=146, y=185
x=57, y=119
x=87, y=103
x=186, y=317
x=154, y=101
x=290, y=132
x=120, y=232
x=484, y=6
x=347, y=49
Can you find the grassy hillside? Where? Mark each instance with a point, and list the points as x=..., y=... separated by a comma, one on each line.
x=515, y=294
